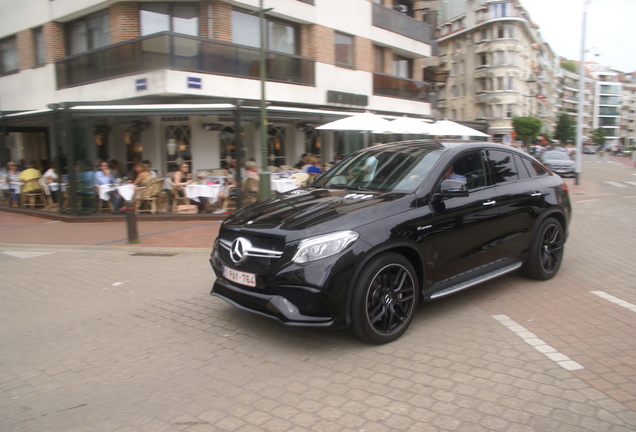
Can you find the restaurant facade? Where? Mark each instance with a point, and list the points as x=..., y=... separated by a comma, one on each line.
x=181, y=81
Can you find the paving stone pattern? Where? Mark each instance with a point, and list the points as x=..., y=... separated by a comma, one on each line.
x=94, y=338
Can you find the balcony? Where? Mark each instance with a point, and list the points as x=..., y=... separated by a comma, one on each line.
x=402, y=88
x=184, y=53
x=402, y=24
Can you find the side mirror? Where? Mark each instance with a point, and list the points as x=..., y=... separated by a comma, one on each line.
x=453, y=188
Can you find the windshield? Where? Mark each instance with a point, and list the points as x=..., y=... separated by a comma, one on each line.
x=555, y=156
x=382, y=169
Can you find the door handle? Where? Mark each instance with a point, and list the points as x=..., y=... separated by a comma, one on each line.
x=535, y=194
x=490, y=203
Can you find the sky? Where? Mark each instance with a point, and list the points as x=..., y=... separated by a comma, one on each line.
x=610, y=30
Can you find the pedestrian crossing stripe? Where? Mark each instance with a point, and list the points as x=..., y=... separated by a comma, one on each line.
x=631, y=183
x=615, y=184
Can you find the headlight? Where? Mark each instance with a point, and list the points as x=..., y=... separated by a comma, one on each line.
x=323, y=246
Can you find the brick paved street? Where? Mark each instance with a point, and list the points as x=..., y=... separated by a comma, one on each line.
x=127, y=338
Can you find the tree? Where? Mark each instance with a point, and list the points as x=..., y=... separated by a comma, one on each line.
x=565, y=131
x=598, y=137
x=527, y=128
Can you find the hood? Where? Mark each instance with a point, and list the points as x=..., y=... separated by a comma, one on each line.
x=302, y=209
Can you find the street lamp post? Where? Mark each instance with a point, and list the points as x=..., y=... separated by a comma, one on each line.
x=579, y=121
x=264, y=184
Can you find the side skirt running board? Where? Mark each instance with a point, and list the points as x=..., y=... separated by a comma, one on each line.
x=471, y=282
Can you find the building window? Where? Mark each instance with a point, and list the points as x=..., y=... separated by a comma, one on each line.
x=454, y=91
x=512, y=57
x=344, y=49
x=280, y=36
x=180, y=18
x=510, y=31
x=88, y=33
x=402, y=66
x=500, y=10
x=510, y=110
x=510, y=83
x=38, y=46
x=378, y=58
x=500, y=84
x=483, y=59
x=8, y=56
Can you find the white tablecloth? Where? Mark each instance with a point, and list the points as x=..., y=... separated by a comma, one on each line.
x=54, y=187
x=126, y=191
x=283, y=185
x=210, y=192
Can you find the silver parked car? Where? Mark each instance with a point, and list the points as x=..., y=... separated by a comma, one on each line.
x=560, y=163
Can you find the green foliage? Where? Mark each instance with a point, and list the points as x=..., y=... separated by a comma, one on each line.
x=565, y=131
x=569, y=65
x=527, y=128
x=598, y=137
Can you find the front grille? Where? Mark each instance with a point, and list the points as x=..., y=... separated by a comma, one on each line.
x=261, y=256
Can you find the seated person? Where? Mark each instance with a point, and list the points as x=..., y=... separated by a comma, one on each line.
x=30, y=173
x=183, y=177
x=104, y=176
x=142, y=175
x=314, y=167
x=450, y=174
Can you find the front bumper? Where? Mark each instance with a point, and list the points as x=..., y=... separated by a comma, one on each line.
x=271, y=305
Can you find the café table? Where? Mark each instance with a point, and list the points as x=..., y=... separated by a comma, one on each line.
x=126, y=191
x=197, y=191
x=283, y=185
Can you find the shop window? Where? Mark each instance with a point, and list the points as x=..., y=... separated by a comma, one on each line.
x=276, y=145
x=178, y=145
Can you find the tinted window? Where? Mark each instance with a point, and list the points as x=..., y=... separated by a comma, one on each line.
x=522, y=169
x=535, y=169
x=471, y=167
x=502, y=166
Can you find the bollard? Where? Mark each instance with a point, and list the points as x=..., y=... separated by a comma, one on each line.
x=131, y=223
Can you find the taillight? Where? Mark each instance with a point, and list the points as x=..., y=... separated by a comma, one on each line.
x=565, y=187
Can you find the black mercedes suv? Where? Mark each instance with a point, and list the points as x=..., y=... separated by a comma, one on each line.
x=390, y=226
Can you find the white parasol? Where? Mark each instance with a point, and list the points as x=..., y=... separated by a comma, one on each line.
x=450, y=128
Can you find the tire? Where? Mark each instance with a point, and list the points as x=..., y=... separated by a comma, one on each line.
x=384, y=299
x=546, y=252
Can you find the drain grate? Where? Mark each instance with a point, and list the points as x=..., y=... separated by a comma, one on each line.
x=154, y=254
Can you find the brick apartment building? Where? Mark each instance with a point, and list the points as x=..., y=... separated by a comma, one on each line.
x=174, y=81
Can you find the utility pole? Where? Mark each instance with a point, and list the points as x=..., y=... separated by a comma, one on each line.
x=265, y=186
x=579, y=121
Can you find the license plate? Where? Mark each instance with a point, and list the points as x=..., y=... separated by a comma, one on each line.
x=239, y=277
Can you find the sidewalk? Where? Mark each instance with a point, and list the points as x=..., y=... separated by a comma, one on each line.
x=26, y=229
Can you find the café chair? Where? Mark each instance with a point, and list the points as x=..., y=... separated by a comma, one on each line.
x=179, y=196
x=103, y=204
x=32, y=195
x=229, y=200
x=147, y=198
x=300, y=178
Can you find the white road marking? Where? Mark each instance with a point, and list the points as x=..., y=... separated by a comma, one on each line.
x=590, y=200
x=21, y=254
x=631, y=183
x=609, y=297
x=615, y=184
x=531, y=339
